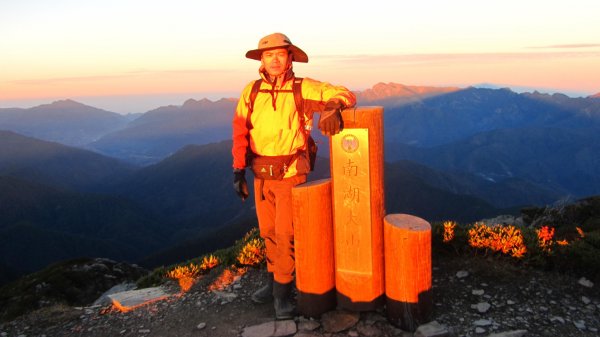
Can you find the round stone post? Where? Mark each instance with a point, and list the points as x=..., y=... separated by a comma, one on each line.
x=407, y=270
x=313, y=241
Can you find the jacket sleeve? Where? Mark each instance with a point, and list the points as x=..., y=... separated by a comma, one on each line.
x=317, y=93
x=240, y=129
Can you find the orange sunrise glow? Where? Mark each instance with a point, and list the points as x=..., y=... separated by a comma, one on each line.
x=195, y=50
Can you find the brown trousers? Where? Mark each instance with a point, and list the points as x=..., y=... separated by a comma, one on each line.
x=274, y=214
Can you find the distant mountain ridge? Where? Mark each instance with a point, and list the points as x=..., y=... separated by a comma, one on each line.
x=41, y=224
x=161, y=132
x=560, y=160
x=55, y=164
x=454, y=116
x=67, y=122
x=504, y=194
x=194, y=183
x=397, y=94
x=584, y=106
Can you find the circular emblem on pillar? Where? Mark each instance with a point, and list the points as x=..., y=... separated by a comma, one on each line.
x=349, y=143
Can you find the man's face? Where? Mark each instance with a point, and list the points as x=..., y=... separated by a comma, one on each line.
x=275, y=61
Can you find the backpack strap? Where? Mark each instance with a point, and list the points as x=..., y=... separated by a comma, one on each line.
x=311, y=146
x=297, y=89
x=253, y=94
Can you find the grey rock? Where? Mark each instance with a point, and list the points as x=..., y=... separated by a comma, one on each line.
x=339, y=320
x=482, y=322
x=225, y=297
x=201, y=326
x=483, y=307
x=579, y=325
x=462, y=273
x=431, y=329
x=133, y=298
x=271, y=329
x=105, y=300
x=585, y=282
x=368, y=330
x=513, y=333
x=308, y=325
x=307, y=334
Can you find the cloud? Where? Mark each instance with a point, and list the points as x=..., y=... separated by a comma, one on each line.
x=448, y=58
x=44, y=81
x=114, y=77
x=569, y=46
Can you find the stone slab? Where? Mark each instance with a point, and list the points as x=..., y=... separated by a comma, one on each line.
x=133, y=298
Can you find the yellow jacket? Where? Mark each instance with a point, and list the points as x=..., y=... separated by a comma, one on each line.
x=276, y=128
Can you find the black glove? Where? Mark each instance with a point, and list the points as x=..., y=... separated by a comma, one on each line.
x=330, y=121
x=239, y=183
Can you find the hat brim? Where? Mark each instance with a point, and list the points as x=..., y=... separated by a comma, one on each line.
x=299, y=54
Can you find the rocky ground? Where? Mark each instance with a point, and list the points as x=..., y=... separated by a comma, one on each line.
x=472, y=297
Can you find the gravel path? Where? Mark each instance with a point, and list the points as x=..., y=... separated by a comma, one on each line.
x=472, y=297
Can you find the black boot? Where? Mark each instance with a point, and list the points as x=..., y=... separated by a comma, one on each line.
x=284, y=308
x=264, y=294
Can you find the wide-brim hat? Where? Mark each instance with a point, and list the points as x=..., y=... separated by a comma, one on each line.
x=277, y=40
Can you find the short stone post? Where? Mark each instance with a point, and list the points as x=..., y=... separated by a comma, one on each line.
x=313, y=241
x=407, y=270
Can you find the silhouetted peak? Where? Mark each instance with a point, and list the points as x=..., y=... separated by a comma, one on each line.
x=227, y=100
x=192, y=103
x=560, y=96
x=396, y=90
x=595, y=96
x=66, y=103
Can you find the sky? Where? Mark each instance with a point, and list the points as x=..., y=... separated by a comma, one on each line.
x=131, y=56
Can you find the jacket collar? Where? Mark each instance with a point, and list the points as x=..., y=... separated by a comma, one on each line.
x=288, y=75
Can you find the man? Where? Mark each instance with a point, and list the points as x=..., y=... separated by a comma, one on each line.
x=272, y=137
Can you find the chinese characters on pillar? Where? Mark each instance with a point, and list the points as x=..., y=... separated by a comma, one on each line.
x=351, y=194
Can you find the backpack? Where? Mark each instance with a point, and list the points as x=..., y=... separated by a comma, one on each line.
x=311, y=151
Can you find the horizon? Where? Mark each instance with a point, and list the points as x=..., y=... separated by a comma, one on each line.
x=135, y=104
x=136, y=51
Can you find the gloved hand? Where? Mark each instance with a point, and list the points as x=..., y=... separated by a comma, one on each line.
x=330, y=121
x=239, y=183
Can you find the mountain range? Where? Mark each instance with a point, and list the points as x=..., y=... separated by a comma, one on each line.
x=56, y=164
x=40, y=225
x=157, y=188
x=161, y=132
x=171, y=207
x=67, y=122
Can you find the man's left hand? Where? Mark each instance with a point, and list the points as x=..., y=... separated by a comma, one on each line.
x=330, y=121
